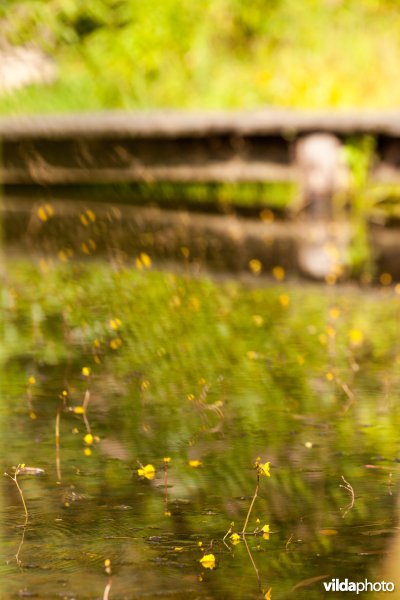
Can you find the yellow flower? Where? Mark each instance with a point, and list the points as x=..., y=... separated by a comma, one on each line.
x=107, y=566
x=386, y=279
x=147, y=472
x=284, y=300
x=235, y=539
x=208, y=561
x=263, y=469
x=356, y=337
x=115, y=324
x=167, y=459
x=265, y=531
x=268, y=595
x=87, y=452
x=115, y=343
x=334, y=313
x=278, y=273
x=88, y=439
x=86, y=371
x=143, y=261
x=78, y=410
x=31, y=380
x=255, y=266
x=194, y=463
x=258, y=320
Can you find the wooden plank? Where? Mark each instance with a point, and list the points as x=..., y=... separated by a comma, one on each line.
x=234, y=172
x=289, y=123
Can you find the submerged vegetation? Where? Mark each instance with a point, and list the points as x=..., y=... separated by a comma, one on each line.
x=146, y=397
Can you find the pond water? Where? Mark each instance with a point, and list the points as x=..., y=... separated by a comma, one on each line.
x=107, y=368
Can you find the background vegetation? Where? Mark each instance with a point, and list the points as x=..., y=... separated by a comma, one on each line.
x=209, y=53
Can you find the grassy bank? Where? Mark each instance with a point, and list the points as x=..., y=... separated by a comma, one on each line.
x=214, y=54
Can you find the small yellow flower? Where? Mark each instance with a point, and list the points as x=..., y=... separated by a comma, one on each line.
x=88, y=439
x=87, y=452
x=115, y=324
x=255, y=266
x=330, y=376
x=235, y=539
x=356, y=337
x=78, y=410
x=91, y=215
x=258, y=320
x=266, y=532
x=334, y=313
x=115, y=343
x=143, y=261
x=208, y=561
x=107, y=566
x=268, y=595
x=386, y=279
x=195, y=463
x=284, y=300
x=31, y=380
x=86, y=371
x=167, y=459
x=263, y=469
x=144, y=384
x=147, y=472
x=278, y=273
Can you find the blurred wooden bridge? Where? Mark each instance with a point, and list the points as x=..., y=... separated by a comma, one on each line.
x=49, y=153
x=175, y=146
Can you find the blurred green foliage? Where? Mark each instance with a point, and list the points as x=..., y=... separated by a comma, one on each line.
x=219, y=53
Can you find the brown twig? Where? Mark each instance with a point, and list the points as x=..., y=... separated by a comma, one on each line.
x=349, y=489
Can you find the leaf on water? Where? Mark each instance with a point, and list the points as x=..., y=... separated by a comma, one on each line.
x=309, y=581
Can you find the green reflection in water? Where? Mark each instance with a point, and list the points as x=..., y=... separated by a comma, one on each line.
x=220, y=373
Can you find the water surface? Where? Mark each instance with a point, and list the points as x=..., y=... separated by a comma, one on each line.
x=211, y=375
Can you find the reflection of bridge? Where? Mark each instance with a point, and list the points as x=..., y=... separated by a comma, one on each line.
x=263, y=146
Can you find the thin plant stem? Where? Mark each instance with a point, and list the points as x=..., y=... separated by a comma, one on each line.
x=15, y=480
x=251, y=505
x=107, y=589
x=253, y=563
x=86, y=401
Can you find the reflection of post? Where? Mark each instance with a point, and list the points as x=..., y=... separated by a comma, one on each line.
x=323, y=175
x=2, y=265
x=390, y=569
